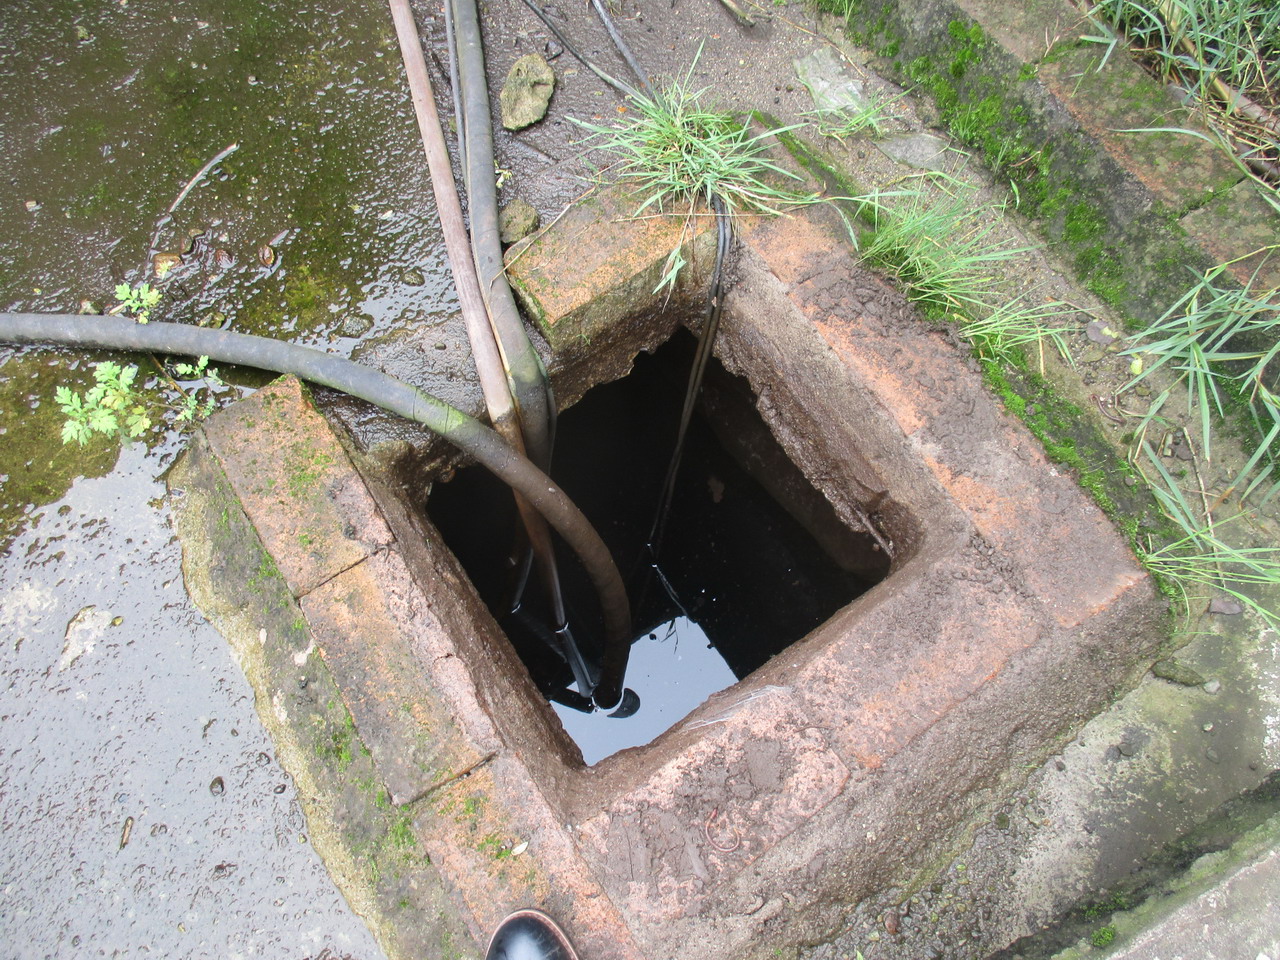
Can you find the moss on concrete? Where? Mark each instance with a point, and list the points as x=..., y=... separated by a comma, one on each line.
x=1122, y=245
x=367, y=843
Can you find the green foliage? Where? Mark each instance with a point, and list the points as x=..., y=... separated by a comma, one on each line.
x=138, y=300
x=1115, y=902
x=401, y=833
x=1197, y=41
x=844, y=123
x=190, y=407
x=1103, y=936
x=1215, y=338
x=679, y=153
x=1217, y=50
x=117, y=405
x=1200, y=559
x=113, y=405
x=940, y=246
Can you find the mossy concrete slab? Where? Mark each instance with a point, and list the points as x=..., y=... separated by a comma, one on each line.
x=297, y=485
x=1016, y=82
x=1239, y=225
x=602, y=265
x=366, y=842
x=1225, y=907
x=1106, y=100
x=409, y=733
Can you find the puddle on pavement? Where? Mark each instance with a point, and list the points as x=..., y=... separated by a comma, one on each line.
x=744, y=575
x=110, y=109
x=144, y=810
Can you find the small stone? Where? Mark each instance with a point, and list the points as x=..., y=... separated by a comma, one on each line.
x=920, y=150
x=1176, y=672
x=1213, y=686
x=1226, y=607
x=824, y=77
x=355, y=325
x=162, y=263
x=1099, y=332
x=527, y=93
x=32, y=206
x=517, y=220
x=1092, y=354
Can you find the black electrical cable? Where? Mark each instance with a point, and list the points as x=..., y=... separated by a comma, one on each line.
x=622, y=47
x=623, y=88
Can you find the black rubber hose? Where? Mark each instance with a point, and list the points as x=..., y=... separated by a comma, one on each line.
x=529, y=385
x=354, y=379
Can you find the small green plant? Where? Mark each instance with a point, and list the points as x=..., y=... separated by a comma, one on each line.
x=1015, y=327
x=118, y=405
x=190, y=407
x=680, y=153
x=941, y=247
x=1223, y=53
x=1103, y=936
x=1201, y=43
x=1200, y=560
x=1200, y=340
x=113, y=405
x=137, y=301
x=842, y=124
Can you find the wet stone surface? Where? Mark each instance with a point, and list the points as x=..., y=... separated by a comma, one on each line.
x=143, y=807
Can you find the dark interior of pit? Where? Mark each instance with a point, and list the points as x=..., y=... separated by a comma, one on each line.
x=752, y=553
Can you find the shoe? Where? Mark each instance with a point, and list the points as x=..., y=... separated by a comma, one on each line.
x=530, y=935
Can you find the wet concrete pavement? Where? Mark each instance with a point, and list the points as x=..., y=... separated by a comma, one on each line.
x=141, y=806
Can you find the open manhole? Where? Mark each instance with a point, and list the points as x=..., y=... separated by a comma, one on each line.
x=751, y=559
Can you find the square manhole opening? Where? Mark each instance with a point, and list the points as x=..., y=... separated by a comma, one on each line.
x=751, y=557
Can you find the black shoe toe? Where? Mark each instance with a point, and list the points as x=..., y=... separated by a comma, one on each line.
x=530, y=935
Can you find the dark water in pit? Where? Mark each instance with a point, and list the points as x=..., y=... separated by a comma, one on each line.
x=745, y=578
